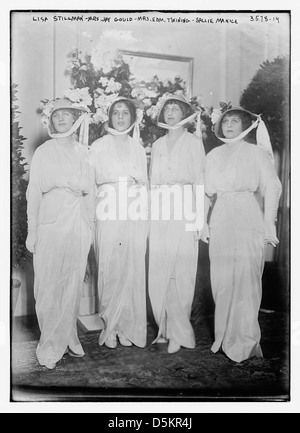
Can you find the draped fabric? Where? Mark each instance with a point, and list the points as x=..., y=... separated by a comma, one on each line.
x=173, y=251
x=61, y=209
x=120, y=243
x=236, y=173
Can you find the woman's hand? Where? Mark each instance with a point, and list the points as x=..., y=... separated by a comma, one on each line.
x=31, y=242
x=204, y=235
x=270, y=234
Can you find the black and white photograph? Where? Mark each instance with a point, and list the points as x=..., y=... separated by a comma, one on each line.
x=150, y=206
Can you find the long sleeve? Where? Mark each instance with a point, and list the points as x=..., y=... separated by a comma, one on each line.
x=199, y=161
x=144, y=166
x=270, y=187
x=34, y=193
x=153, y=172
x=92, y=193
x=205, y=232
x=272, y=195
x=198, y=185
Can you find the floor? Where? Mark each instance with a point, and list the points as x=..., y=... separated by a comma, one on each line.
x=151, y=374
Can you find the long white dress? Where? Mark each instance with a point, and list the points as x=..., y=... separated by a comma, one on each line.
x=120, y=244
x=173, y=251
x=236, y=245
x=61, y=209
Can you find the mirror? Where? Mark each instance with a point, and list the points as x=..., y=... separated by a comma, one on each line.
x=146, y=65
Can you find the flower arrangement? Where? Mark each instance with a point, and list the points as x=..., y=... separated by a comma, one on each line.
x=102, y=84
x=98, y=79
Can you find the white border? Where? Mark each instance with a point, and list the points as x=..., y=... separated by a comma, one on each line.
x=198, y=407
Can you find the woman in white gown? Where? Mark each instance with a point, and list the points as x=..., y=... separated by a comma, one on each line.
x=177, y=162
x=60, y=218
x=121, y=229
x=238, y=229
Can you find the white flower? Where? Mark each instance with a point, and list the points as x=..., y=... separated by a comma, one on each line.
x=73, y=64
x=104, y=59
x=103, y=102
x=100, y=116
x=103, y=81
x=47, y=107
x=45, y=121
x=113, y=86
x=135, y=92
x=178, y=92
x=216, y=113
x=47, y=111
x=156, y=108
x=139, y=115
x=150, y=93
x=72, y=94
x=150, y=111
x=141, y=93
x=79, y=95
x=99, y=91
x=147, y=102
x=85, y=96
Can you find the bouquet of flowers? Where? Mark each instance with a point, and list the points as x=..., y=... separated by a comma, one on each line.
x=97, y=81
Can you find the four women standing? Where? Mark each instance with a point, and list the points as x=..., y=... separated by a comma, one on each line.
x=61, y=211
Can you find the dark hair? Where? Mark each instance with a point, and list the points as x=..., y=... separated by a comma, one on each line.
x=131, y=107
x=75, y=113
x=185, y=108
x=246, y=123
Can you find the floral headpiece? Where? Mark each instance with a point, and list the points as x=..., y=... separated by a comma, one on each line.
x=75, y=99
x=79, y=99
x=155, y=112
x=217, y=112
x=262, y=135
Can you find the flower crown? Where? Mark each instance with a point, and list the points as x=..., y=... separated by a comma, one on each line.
x=79, y=98
x=154, y=110
x=103, y=102
x=216, y=112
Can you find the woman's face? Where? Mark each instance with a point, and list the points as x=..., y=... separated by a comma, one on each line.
x=232, y=126
x=120, y=117
x=172, y=114
x=62, y=120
